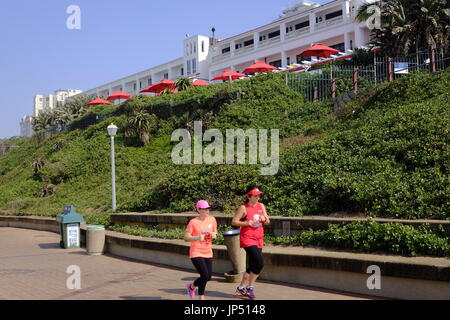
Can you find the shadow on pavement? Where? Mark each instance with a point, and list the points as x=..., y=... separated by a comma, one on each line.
x=82, y=253
x=140, y=298
x=49, y=245
x=189, y=279
x=216, y=294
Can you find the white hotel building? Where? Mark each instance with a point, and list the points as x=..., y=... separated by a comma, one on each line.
x=278, y=43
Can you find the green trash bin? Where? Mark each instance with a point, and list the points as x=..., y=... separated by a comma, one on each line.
x=69, y=227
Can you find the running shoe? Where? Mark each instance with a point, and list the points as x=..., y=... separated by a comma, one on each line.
x=241, y=292
x=190, y=292
x=250, y=293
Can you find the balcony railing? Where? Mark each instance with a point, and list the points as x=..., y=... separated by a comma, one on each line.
x=221, y=57
x=330, y=22
x=268, y=42
x=297, y=33
x=244, y=50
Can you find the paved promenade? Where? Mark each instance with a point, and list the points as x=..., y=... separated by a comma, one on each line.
x=33, y=267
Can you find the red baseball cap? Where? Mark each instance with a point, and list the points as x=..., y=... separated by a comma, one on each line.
x=255, y=192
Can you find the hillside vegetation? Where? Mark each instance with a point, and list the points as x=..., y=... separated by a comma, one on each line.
x=386, y=154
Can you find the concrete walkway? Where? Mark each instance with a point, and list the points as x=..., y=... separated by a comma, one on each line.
x=33, y=267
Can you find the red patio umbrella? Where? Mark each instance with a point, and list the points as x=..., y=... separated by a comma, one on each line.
x=119, y=95
x=259, y=66
x=319, y=50
x=229, y=75
x=98, y=102
x=200, y=83
x=160, y=86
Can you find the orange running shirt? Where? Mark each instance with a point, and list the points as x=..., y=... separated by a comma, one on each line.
x=201, y=249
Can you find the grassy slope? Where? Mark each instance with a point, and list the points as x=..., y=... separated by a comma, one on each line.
x=388, y=158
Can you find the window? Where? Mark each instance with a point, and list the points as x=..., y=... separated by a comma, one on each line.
x=339, y=46
x=238, y=46
x=182, y=71
x=190, y=45
x=262, y=38
x=195, y=48
x=300, y=59
x=134, y=86
x=166, y=76
x=302, y=25
x=249, y=42
x=274, y=34
x=226, y=50
x=189, y=67
x=333, y=15
x=187, y=49
x=203, y=46
x=194, y=66
x=276, y=63
x=351, y=44
x=288, y=60
x=149, y=81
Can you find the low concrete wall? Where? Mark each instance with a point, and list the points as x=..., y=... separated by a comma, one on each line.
x=279, y=225
x=401, y=277
x=35, y=223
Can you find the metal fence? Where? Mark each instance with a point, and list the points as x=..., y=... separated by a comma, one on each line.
x=331, y=81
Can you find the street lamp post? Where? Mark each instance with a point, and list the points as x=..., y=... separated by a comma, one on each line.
x=112, y=130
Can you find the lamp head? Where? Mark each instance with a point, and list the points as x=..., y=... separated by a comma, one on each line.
x=112, y=130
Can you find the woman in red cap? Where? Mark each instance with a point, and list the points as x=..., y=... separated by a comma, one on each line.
x=200, y=232
x=251, y=217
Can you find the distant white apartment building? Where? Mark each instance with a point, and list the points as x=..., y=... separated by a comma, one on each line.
x=278, y=43
x=51, y=101
x=26, y=128
x=45, y=102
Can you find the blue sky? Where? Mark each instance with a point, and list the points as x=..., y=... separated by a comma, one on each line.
x=39, y=54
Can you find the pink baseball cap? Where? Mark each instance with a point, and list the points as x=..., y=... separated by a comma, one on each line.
x=202, y=204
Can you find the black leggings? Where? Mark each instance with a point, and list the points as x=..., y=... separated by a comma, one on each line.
x=204, y=267
x=255, y=260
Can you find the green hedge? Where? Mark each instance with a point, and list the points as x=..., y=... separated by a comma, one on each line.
x=370, y=236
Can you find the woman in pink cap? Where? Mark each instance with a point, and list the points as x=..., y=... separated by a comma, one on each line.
x=200, y=232
x=251, y=217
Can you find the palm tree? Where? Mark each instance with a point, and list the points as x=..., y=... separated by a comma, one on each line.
x=143, y=125
x=408, y=25
x=43, y=120
x=433, y=22
x=76, y=106
x=183, y=84
x=166, y=92
x=37, y=165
